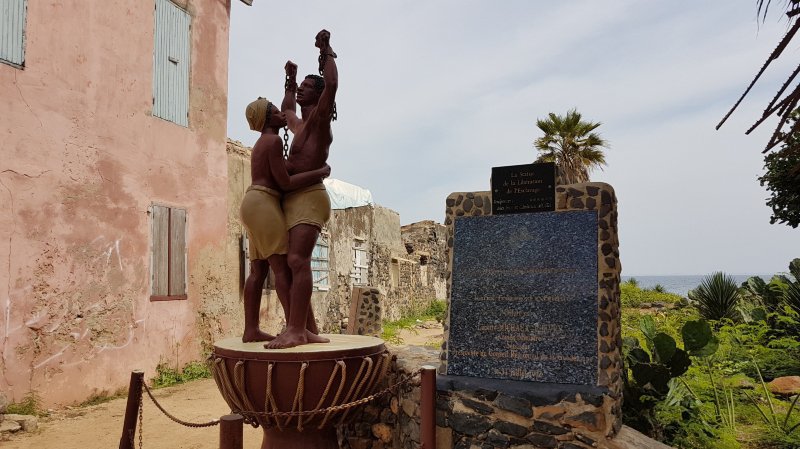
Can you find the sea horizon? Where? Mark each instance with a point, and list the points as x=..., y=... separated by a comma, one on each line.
x=681, y=284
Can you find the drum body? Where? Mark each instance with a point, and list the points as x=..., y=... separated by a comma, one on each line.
x=299, y=394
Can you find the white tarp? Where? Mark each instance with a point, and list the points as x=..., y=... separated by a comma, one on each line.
x=344, y=195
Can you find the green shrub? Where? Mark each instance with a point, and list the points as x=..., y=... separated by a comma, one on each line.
x=436, y=310
x=633, y=296
x=30, y=404
x=653, y=371
x=717, y=297
x=167, y=375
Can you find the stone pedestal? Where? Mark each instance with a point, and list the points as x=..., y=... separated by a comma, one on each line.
x=532, y=350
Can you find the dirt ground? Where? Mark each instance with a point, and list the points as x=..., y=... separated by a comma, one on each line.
x=100, y=426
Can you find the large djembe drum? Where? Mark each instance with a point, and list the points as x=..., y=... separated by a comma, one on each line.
x=298, y=395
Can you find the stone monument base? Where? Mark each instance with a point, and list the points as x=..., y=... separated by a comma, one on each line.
x=473, y=411
x=293, y=393
x=551, y=416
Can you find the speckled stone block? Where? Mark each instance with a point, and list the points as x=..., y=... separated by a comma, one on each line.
x=366, y=313
x=524, y=297
x=599, y=198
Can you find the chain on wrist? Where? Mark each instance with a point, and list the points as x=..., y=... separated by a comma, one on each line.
x=290, y=84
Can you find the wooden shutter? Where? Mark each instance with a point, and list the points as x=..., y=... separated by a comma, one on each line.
x=177, y=252
x=171, y=63
x=160, y=251
x=12, y=31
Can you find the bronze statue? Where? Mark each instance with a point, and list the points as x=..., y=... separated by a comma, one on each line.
x=306, y=207
x=263, y=217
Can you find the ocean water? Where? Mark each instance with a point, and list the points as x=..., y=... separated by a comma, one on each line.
x=680, y=285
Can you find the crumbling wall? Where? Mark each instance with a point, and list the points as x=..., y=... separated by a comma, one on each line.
x=426, y=243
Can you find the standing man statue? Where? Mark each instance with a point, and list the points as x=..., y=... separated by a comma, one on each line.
x=261, y=214
x=307, y=209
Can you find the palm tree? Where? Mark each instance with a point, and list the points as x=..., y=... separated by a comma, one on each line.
x=572, y=144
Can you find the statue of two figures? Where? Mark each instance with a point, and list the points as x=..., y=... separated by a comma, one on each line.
x=287, y=205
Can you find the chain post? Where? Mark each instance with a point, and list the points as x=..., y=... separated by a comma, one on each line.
x=428, y=407
x=133, y=405
x=231, y=431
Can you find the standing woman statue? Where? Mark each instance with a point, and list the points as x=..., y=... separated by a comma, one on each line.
x=263, y=217
x=307, y=208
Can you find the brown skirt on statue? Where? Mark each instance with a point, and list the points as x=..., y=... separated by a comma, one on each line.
x=266, y=225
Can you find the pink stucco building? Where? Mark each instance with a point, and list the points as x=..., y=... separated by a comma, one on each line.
x=113, y=182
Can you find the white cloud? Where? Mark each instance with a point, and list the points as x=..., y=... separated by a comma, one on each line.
x=433, y=94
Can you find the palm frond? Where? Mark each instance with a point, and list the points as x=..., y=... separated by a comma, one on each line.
x=572, y=144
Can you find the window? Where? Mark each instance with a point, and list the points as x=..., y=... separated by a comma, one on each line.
x=394, y=273
x=360, y=271
x=169, y=253
x=171, y=63
x=12, y=32
x=320, y=268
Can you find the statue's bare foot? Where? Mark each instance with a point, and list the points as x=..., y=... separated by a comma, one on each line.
x=289, y=338
x=256, y=335
x=314, y=338
x=311, y=326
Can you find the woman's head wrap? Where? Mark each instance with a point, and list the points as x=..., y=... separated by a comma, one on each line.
x=257, y=113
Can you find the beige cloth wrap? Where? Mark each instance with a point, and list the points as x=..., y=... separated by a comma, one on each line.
x=256, y=113
x=266, y=225
x=310, y=205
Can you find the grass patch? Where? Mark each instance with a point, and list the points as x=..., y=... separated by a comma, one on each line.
x=168, y=375
x=30, y=404
x=391, y=329
x=103, y=397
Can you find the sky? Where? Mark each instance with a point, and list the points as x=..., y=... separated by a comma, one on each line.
x=433, y=94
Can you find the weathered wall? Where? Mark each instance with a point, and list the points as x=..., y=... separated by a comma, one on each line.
x=83, y=159
x=426, y=244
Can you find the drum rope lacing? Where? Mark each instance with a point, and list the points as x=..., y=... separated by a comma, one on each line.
x=367, y=377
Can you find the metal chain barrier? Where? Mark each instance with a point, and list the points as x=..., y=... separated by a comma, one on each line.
x=141, y=421
x=335, y=408
x=179, y=421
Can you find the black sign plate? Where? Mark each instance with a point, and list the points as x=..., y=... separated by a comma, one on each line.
x=524, y=188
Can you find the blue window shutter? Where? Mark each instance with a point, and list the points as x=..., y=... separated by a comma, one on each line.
x=171, y=63
x=12, y=31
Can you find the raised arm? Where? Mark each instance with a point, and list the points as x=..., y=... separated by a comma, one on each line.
x=277, y=166
x=329, y=73
x=289, y=103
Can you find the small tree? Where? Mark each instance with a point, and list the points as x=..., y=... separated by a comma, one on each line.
x=782, y=180
x=572, y=144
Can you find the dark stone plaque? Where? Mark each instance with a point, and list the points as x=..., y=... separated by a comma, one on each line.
x=524, y=188
x=524, y=297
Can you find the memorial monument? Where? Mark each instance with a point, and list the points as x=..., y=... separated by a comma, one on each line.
x=532, y=347
x=299, y=385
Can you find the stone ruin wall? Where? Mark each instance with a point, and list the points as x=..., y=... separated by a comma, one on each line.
x=426, y=244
